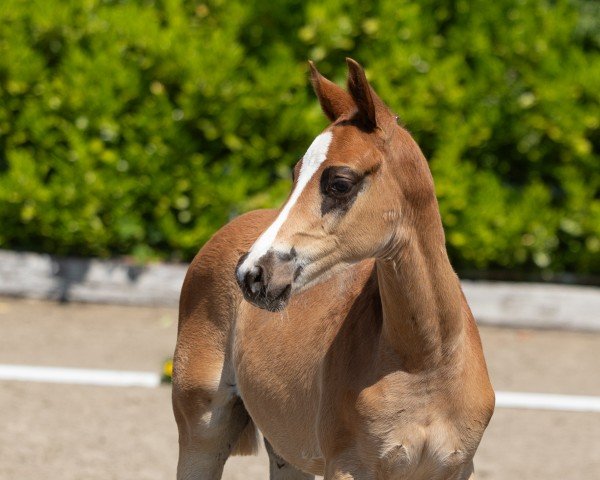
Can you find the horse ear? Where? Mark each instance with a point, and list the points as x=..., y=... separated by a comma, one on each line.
x=362, y=93
x=334, y=100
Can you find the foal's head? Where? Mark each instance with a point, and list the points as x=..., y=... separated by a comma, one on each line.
x=355, y=193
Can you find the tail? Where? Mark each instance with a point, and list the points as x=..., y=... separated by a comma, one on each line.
x=247, y=442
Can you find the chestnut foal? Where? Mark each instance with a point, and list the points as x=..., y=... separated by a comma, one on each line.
x=336, y=324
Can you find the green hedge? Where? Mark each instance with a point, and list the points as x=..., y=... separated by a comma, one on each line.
x=139, y=127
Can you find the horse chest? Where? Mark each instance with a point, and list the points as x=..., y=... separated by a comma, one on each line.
x=410, y=439
x=276, y=374
x=420, y=451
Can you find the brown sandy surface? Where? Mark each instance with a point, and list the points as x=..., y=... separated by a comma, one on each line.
x=72, y=432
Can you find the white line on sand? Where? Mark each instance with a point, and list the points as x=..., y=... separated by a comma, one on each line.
x=118, y=378
x=548, y=401
x=82, y=376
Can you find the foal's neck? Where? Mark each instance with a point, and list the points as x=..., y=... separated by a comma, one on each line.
x=421, y=297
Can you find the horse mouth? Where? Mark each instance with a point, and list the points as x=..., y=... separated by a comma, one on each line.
x=265, y=301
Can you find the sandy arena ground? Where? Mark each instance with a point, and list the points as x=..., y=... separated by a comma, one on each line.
x=72, y=432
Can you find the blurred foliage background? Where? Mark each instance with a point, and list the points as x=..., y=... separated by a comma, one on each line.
x=140, y=127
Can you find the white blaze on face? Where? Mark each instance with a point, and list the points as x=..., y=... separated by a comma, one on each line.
x=312, y=160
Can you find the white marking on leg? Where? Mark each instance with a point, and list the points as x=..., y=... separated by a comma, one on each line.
x=314, y=157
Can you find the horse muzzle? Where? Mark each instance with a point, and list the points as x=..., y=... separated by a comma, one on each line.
x=267, y=282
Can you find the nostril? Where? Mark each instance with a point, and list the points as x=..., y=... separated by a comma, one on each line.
x=254, y=279
x=258, y=276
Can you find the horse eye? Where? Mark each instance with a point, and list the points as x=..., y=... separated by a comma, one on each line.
x=340, y=186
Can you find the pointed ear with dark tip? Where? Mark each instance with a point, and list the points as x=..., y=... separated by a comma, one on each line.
x=361, y=92
x=334, y=100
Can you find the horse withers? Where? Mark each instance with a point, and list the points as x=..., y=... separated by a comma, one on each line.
x=336, y=324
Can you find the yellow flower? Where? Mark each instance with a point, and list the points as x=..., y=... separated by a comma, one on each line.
x=168, y=368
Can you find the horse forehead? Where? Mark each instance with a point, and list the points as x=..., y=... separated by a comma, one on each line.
x=318, y=150
x=337, y=145
x=351, y=147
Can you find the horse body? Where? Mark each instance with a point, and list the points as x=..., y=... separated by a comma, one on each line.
x=336, y=326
